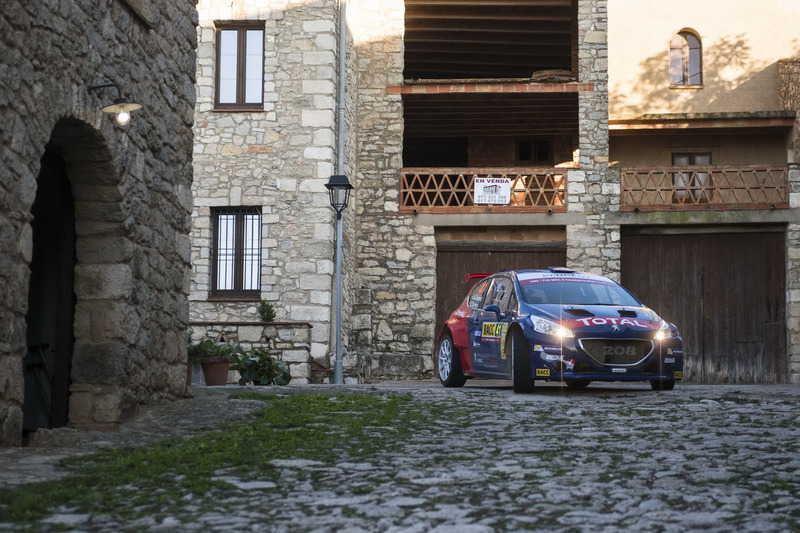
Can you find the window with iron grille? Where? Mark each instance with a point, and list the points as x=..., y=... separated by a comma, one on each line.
x=236, y=252
x=240, y=65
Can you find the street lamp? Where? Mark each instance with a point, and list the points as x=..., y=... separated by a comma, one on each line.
x=121, y=108
x=339, y=189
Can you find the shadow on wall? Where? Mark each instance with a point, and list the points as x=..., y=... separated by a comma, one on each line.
x=722, y=89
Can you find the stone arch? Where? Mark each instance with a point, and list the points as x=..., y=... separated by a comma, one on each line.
x=105, y=322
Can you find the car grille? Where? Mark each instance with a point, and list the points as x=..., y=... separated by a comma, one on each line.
x=617, y=352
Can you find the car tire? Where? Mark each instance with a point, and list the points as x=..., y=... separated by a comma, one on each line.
x=448, y=363
x=521, y=379
x=577, y=383
x=666, y=384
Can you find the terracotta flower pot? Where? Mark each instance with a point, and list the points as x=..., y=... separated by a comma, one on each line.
x=215, y=370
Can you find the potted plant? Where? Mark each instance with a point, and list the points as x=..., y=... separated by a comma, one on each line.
x=215, y=358
x=259, y=367
x=266, y=311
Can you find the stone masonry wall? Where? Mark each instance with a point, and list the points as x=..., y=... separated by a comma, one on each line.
x=393, y=314
x=279, y=159
x=789, y=95
x=131, y=187
x=593, y=190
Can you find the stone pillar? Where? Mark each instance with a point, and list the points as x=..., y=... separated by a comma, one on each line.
x=396, y=269
x=793, y=280
x=594, y=189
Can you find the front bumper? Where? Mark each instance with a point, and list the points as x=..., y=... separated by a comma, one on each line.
x=614, y=361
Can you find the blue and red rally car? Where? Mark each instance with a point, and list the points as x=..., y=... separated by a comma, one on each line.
x=556, y=325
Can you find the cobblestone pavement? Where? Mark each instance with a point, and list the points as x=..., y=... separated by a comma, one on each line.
x=607, y=458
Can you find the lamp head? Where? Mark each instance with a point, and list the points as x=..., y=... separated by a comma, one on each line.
x=339, y=189
x=121, y=107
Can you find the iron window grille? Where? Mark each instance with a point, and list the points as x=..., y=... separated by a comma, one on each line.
x=236, y=253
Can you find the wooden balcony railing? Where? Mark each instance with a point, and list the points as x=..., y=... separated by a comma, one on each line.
x=704, y=188
x=450, y=190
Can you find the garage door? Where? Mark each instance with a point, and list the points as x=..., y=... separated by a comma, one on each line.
x=454, y=261
x=724, y=291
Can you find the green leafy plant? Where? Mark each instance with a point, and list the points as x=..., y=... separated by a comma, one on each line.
x=207, y=349
x=259, y=367
x=266, y=311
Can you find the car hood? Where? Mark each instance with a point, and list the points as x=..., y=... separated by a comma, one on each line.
x=587, y=319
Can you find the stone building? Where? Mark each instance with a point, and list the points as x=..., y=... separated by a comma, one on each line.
x=95, y=217
x=679, y=177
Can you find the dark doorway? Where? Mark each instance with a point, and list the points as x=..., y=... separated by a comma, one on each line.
x=453, y=261
x=51, y=298
x=726, y=292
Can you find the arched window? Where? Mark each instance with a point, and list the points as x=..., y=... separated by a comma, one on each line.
x=685, y=59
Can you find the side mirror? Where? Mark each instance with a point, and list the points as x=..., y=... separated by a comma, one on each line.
x=494, y=309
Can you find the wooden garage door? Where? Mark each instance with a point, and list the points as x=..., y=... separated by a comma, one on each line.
x=454, y=261
x=726, y=294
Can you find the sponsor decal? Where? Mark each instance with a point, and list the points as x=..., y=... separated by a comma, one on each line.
x=492, y=331
x=619, y=370
x=678, y=374
x=669, y=360
x=620, y=350
x=503, y=340
x=543, y=372
x=547, y=349
x=609, y=321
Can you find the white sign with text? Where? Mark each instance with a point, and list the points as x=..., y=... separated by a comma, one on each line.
x=492, y=191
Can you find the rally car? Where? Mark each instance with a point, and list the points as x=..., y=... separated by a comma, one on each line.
x=556, y=325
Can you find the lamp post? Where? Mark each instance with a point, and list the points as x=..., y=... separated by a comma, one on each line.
x=339, y=189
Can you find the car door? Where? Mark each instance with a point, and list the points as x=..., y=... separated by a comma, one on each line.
x=488, y=331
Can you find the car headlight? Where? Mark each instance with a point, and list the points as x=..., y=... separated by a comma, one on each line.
x=664, y=332
x=542, y=325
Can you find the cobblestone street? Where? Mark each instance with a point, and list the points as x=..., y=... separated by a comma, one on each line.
x=607, y=458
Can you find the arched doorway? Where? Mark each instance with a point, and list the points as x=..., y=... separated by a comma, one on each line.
x=51, y=298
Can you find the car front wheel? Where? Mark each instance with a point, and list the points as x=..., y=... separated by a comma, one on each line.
x=448, y=363
x=521, y=361
x=666, y=384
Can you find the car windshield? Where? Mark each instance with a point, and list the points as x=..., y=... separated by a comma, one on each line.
x=576, y=292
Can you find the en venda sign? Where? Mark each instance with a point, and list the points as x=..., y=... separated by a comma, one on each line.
x=492, y=191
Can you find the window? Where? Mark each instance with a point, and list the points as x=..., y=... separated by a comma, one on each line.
x=534, y=152
x=236, y=252
x=240, y=65
x=691, y=187
x=477, y=294
x=685, y=60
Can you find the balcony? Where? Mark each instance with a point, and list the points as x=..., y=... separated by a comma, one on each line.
x=451, y=190
x=704, y=188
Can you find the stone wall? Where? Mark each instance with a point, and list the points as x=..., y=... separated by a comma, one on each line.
x=279, y=159
x=286, y=341
x=789, y=97
x=593, y=190
x=131, y=189
x=393, y=314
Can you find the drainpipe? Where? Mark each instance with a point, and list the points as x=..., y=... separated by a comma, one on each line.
x=338, y=375
x=342, y=79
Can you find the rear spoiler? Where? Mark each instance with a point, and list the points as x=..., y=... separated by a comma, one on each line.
x=476, y=275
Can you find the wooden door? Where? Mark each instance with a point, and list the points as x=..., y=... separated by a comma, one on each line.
x=453, y=262
x=51, y=299
x=724, y=291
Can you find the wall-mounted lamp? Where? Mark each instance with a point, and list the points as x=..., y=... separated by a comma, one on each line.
x=121, y=107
